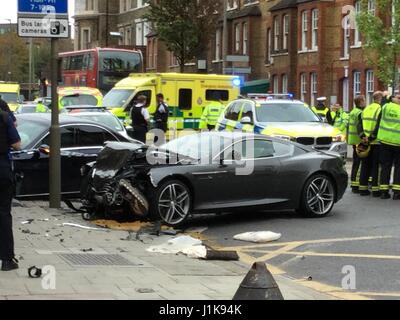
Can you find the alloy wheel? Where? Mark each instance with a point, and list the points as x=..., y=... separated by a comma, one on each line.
x=174, y=203
x=320, y=195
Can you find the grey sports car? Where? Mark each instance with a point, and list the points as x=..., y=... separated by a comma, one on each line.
x=210, y=173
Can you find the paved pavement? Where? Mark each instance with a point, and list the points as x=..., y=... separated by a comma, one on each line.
x=45, y=241
x=362, y=234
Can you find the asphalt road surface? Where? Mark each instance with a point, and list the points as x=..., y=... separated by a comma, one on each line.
x=361, y=234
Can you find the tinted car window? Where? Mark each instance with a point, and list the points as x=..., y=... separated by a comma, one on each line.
x=257, y=149
x=217, y=94
x=282, y=149
x=93, y=136
x=68, y=138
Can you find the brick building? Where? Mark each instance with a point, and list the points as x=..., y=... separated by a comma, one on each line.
x=307, y=47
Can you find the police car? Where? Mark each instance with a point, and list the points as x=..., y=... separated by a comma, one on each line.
x=279, y=115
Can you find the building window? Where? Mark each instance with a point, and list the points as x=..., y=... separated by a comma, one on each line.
x=304, y=29
x=285, y=31
x=237, y=37
x=276, y=34
x=275, y=84
x=218, y=46
x=284, y=83
x=128, y=36
x=357, y=11
x=303, y=86
x=85, y=38
x=371, y=7
x=314, y=89
x=91, y=5
x=245, y=38
x=122, y=6
x=369, y=86
x=356, y=83
x=142, y=30
x=346, y=37
x=232, y=4
x=269, y=43
x=314, y=35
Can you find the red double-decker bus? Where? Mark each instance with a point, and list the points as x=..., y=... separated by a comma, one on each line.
x=99, y=68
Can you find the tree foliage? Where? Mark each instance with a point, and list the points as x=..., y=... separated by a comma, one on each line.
x=381, y=37
x=185, y=26
x=14, y=58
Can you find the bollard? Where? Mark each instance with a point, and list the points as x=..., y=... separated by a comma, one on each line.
x=258, y=284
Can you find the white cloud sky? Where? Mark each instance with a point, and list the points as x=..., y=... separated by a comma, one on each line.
x=9, y=10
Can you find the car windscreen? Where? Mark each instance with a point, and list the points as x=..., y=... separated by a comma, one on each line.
x=116, y=98
x=105, y=119
x=29, y=131
x=9, y=97
x=78, y=100
x=27, y=109
x=285, y=112
x=197, y=146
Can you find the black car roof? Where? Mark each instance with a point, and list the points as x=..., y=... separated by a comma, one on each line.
x=45, y=118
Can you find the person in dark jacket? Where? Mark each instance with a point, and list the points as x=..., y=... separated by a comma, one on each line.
x=9, y=138
x=140, y=119
x=161, y=118
x=5, y=108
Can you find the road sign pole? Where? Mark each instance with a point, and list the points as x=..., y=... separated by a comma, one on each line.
x=55, y=138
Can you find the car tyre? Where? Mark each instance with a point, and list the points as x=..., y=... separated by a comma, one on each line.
x=318, y=196
x=172, y=203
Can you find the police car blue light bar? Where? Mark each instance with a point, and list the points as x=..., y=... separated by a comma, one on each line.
x=270, y=96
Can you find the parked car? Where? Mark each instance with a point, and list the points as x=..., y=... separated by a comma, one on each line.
x=199, y=174
x=281, y=116
x=98, y=115
x=81, y=141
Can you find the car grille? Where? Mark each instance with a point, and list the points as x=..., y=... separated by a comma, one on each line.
x=310, y=141
x=324, y=141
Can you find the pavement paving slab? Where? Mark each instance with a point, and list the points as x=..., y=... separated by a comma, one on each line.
x=151, y=276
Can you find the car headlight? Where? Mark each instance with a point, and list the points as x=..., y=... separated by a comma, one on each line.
x=339, y=138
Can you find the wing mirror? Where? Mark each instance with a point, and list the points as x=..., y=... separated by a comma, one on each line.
x=44, y=149
x=246, y=120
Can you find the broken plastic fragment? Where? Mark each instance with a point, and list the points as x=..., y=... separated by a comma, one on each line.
x=258, y=236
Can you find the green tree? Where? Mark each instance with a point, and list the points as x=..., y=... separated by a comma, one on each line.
x=14, y=60
x=185, y=26
x=381, y=37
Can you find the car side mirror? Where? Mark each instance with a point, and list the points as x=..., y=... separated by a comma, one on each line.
x=44, y=149
x=246, y=120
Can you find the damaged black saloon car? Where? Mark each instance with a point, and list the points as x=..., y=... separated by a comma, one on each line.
x=211, y=173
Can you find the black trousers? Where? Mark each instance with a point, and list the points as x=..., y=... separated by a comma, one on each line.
x=139, y=133
x=389, y=156
x=210, y=127
x=6, y=195
x=355, y=181
x=370, y=168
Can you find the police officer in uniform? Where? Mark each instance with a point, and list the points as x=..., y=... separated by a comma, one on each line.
x=211, y=113
x=353, y=138
x=4, y=107
x=321, y=109
x=140, y=119
x=389, y=136
x=338, y=118
x=9, y=138
x=370, y=164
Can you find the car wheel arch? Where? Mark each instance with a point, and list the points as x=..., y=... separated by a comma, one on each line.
x=180, y=178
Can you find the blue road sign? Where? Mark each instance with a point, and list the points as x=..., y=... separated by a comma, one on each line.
x=43, y=6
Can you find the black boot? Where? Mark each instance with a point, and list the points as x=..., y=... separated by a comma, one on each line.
x=8, y=265
x=385, y=195
x=354, y=190
x=365, y=193
x=396, y=196
x=376, y=194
